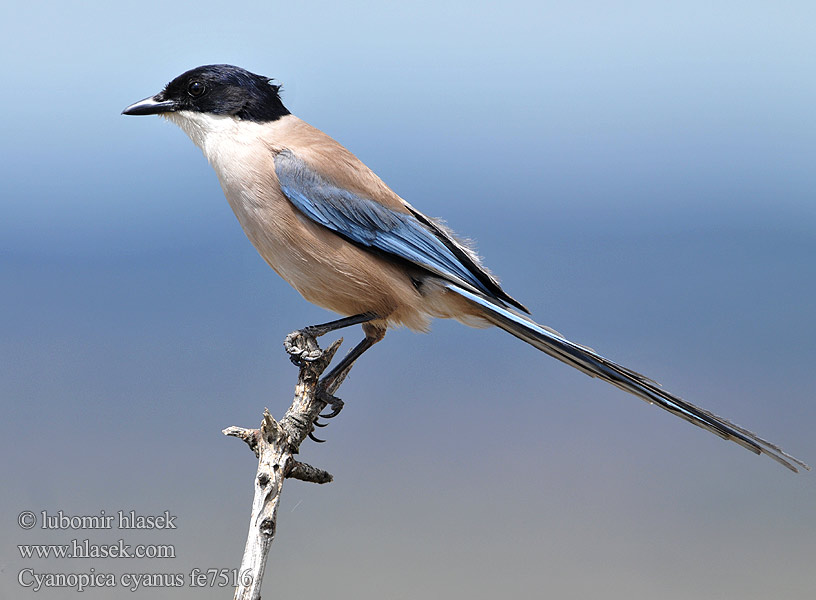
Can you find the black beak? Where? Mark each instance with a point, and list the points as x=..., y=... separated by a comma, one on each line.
x=150, y=106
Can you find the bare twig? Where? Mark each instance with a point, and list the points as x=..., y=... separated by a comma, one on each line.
x=275, y=443
x=308, y=473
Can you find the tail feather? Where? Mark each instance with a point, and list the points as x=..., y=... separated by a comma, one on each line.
x=593, y=364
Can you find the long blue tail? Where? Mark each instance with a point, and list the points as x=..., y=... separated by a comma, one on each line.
x=595, y=365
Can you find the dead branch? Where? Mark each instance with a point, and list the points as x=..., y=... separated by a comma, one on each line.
x=275, y=443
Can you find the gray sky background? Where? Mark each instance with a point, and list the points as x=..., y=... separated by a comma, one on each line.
x=640, y=175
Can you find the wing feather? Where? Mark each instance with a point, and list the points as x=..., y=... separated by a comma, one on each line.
x=407, y=236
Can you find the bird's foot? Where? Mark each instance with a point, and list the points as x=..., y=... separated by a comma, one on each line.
x=336, y=405
x=333, y=402
x=302, y=347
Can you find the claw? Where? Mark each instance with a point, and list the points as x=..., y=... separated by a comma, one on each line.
x=319, y=441
x=317, y=424
x=334, y=402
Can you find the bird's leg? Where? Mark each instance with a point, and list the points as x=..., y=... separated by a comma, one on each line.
x=328, y=384
x=302, y=344
x=332, y=381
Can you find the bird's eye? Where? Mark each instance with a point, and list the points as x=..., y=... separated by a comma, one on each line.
x=196, y=88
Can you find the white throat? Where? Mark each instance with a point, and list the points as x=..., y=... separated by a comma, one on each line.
x=233, y=147
x=238, y=151
x=206, y=130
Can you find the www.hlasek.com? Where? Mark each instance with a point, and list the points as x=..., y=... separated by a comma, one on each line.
x=85, y=549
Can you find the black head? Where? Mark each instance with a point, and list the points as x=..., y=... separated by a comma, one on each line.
x=217, y=90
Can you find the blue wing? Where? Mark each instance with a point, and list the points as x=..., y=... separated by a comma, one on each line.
x=363, y=221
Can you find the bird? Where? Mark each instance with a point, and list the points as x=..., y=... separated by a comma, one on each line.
x=330, y=227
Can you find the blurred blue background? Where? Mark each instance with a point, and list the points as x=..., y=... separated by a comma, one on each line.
x=639, y=174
